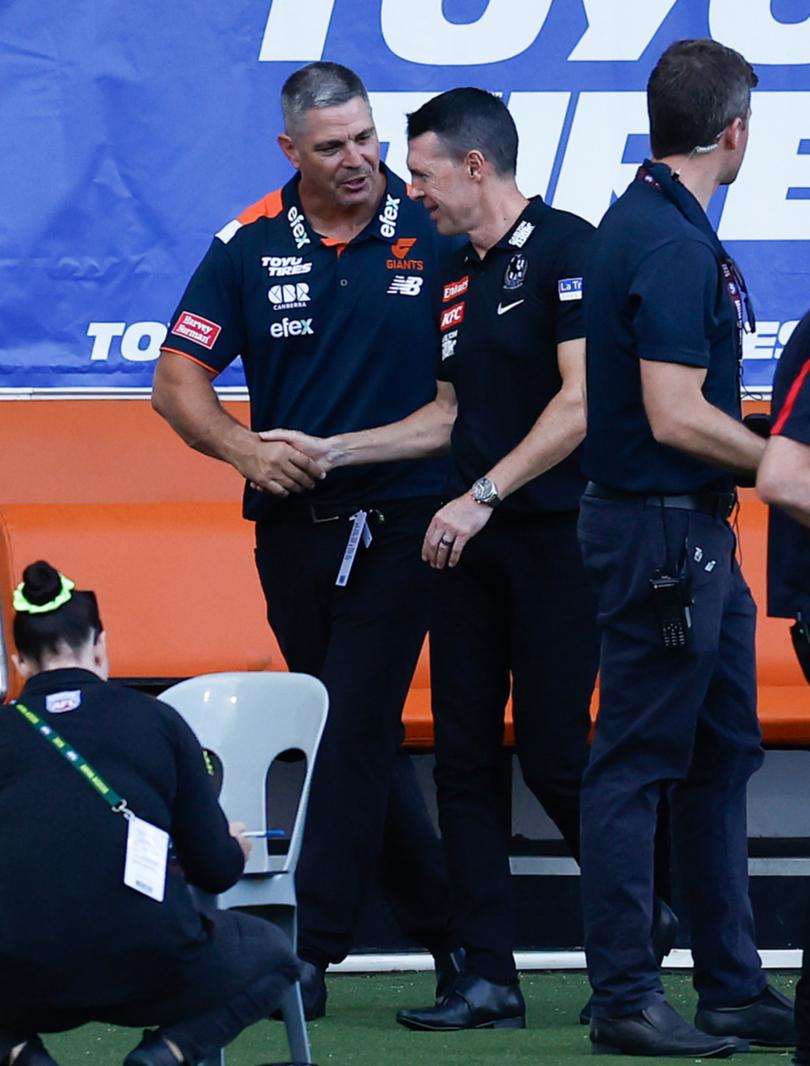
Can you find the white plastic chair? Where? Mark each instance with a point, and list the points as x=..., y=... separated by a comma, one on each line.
x=247, y=720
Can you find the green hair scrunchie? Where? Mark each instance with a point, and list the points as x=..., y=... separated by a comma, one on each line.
x=65, y=592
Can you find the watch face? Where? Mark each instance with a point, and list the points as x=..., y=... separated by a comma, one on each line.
x=483, y=490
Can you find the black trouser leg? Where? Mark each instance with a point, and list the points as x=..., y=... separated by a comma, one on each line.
x=205, y=1034
x=256, y=959
x=363, y=642
x=519, y=601
x=554, y=657
x=470, y=686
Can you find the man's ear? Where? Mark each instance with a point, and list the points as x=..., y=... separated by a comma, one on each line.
x=285, y=143
x=732, y=133
x=474, y=161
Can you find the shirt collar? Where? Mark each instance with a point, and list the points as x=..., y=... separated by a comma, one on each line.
x=59, y=680
x=518, y=235
x=384, y=224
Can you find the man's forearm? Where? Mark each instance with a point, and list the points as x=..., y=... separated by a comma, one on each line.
x=707, y=433
x=555, y=434
x=424, y=433
x=193, y=410
x=783, y=478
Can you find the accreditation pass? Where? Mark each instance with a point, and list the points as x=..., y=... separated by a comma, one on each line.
x=358, y=532
x=147, y=858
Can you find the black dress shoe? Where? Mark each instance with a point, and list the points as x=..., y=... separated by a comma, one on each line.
x=473, y=1003
x=151, y=1051
x=448, y=968
x=313, y=990
x=664, y=933
x=658, y=1030
x=33, y=1054
x=767, y=1022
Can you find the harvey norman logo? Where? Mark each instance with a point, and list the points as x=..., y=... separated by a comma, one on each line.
x=197, y=329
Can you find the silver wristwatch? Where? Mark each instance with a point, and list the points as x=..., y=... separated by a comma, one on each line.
x=486, y=492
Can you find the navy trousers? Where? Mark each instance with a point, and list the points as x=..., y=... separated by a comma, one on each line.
x=518, y=611
x=367, y=818
x=678, y=720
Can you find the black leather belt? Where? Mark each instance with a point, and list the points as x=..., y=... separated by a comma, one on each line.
x=716, y=504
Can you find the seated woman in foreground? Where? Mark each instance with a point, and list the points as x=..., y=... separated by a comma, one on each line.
x=95, y=926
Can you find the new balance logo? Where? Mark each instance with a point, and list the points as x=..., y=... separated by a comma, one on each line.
x=405, y=285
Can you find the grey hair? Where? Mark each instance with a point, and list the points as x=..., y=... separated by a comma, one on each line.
x=318, y=85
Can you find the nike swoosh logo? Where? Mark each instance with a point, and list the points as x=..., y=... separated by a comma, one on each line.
x=502, y=310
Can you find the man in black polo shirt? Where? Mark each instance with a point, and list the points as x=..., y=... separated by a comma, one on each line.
x=664, y=319
x=328, y=288
x=783, y=480
x=513, y=602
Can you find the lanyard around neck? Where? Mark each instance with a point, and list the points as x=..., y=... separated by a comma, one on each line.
x=116, y=803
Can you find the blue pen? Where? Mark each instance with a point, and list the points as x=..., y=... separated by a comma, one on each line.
x=265, y=834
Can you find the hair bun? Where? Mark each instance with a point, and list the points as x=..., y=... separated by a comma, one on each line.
x=41, y=583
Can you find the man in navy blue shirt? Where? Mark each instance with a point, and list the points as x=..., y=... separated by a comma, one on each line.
x=328, y=290
x=783, y=480
x=665, y=312
x=514, y=608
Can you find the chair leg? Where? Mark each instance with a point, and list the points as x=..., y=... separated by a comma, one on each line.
x=292, y=1010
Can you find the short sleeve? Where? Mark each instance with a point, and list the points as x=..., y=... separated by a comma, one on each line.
x=571, y=266
x=208, y=325
x=674, y=294
x=792, y=417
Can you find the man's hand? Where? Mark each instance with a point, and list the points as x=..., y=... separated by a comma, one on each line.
x=278, y=468
x=236, y=829
x=317, y=448
x=450, y=530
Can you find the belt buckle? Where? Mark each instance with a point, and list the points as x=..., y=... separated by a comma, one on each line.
x=726, y=504
x=313, y=513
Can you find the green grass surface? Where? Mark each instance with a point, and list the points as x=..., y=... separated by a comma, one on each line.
x=360, y=1029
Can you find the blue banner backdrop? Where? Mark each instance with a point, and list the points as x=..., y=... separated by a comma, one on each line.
x=134, y=131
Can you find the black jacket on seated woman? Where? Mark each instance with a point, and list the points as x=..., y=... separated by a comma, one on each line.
x=76, y=943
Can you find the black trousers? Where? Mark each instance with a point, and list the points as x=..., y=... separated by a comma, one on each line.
x=518, y=608
x=367, y=817
x=194, y=1018
x=681, y=721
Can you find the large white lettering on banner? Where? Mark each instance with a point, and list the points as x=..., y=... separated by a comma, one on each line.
x=124, y=173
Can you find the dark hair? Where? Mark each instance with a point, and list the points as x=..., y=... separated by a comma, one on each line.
x=73, y=623
x=696, y=89
x=464, y=119
x=318, y=85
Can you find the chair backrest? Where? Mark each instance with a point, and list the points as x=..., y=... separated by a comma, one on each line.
x=247, y=720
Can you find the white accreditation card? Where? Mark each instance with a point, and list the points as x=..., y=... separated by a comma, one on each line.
x=358, y=532
x=147, y=858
